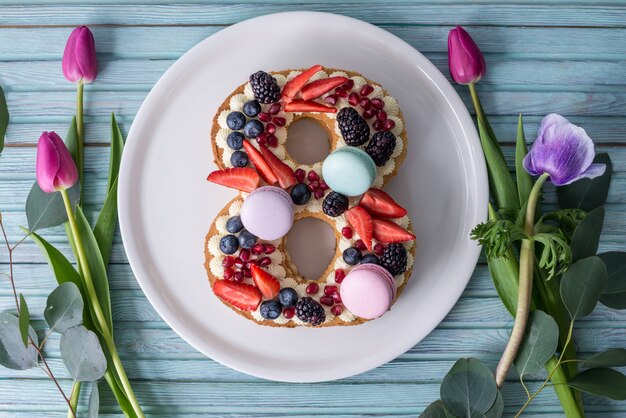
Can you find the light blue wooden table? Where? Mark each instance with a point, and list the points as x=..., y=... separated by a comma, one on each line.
x=550, y=56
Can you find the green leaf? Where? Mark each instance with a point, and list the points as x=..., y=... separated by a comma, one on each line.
x=13, y=354
x=104, y=229
x=436, y=410
x=614, y=293
x=4, y=118
x=496, y=236
x=555, y=256
x=614, y=357
x=117, y=147
x=82, y=354
x=587, y=194
x=94, y=401
x=582, y=285
x=469, y=389
x=587, y=235
x=539, y=344
x=602, y=382
x=71, y=140
x=46, y=210
x=524, y=180
x=24, y=320
x=64, y=308
x=497, y=410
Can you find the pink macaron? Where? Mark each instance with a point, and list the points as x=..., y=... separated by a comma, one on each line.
x=267, y=212
x=368, y=291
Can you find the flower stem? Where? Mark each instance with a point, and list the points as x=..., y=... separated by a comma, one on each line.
x=74, y=399
x=527, y=262
x=80, y=149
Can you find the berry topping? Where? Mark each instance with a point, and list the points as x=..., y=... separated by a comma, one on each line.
x=261, y=139
x=365, y=103
x=234, y=224
x=279, y=121
x=239, y=263
x=341, y=92
x=380, y=204
x=394, y=259
x=252, y=108
x=318, y=193
x=268, y=248
x=264, y=87
x=361, y=222
x=370, y=259
x=387, y=231
x=241, y=295
x=284, y=173
x=330, y=290
x=331, y=99
x=265, y=261
x=377, y=103
x=381, y=147
x=323, y=186
x=378, y=125
x=326, y=300
x=235, y=120
x=265, y=282
x=308, y=106
x=265, y=117
x=300, y=194
x=336, y=310
x=313, y=185
x=293, y=86
x=348, y=84
x=381, y=115
x=289, y=313
x=337, y=297
x=389, y=124
x=379, y=248
x=288, y=297
x=246, y=272
x=317, y=88
x=308, y=310
x=352, y=256
x=312, y=289
x=228, y=273
x=346, y=231
x=360, y=245
x=353, y=99
x=256, y=249
x=335, y=204
x=271, y=309
x=270, y=128
x=339, y=275
x=244, y=255
x=239, y=159
x=274, y=109
x=246, y=239
x=366, y=90
x=353, y=128
x=244, y=179
x=238, y=277
x=228, y=261
x=313, y=176
x=260, y=164
x=369, y=113
x=235, y=140
x=300, y=174
x=272, y=141
x=253, y=128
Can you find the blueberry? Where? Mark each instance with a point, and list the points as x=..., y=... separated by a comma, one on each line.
x=369, y=259
x=234, y=225
x=271, y=309
x=288, y=297
x=235, y=140
x=229, y=244
x=300, y=194
x=235, y=120
x=246, y=239
x=239, y=159
x=352, y=256
x=253, y=128
x=252, y=108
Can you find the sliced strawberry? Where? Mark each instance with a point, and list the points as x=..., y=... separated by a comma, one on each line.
x=284, y=173
x=259, y=163
x=265, y=282
x=293, y=86
x=308, y=106
x=361, y=222
x=317, y=88
x=380, y=204
x=245, y=179
x=242, y=295
x=388, y=232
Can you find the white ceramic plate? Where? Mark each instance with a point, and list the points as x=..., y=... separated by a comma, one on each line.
x=166, y=205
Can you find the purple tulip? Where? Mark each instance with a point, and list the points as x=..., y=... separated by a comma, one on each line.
x=79, y=58
x=466, y=62
x=55, y=167
x=562, y=150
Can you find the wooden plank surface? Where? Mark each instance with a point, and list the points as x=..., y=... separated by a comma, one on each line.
x=543, y=56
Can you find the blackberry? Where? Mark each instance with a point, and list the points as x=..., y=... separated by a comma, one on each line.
x=394, y=259
x=354, y=129
x=264, y=87
x=335, y=204
x=308, y=310
x=381, y=147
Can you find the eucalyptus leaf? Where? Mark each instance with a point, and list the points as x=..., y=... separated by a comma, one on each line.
x=614, y=357
x=82, y=354
x=602, y=382
x=524, y=180
x=582, y=285
x=436, y=410
x=614, y=293
x=539, y=343
x=46, y=210
x=64, y=308
x=4, y=118
x=587, y=235
x=94, y=401
x=469, y=389
x=497, y=410
x=13, y=353
x=587, y=194
x=24, y=320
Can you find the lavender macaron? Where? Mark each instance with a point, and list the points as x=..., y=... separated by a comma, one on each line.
x=368, y=291
x=267, y=213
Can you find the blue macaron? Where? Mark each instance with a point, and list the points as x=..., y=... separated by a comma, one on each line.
x=349, y=171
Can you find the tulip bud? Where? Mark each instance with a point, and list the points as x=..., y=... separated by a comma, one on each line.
x=79, y=58
x=55, y=167
x=466, y=62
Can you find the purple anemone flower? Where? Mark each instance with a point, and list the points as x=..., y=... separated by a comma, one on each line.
x=562, y=150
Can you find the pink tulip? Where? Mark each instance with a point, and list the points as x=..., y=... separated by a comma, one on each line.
x=55, y=167
x=79, y=58
x=466, y=62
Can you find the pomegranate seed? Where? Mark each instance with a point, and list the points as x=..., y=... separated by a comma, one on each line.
x=300, y=174
x=279, y=121
x=313, y=176
x=348, y=85
x=377, y=103
x=261, y=136
x=360, y=245
x=312, y=289
x=336, y=310
x=246, y=272
x=228, y=261
x=262, y=140
x=341, y=92
x=339, y=275
x=379, y=249
x=378, y=125
x=239, y=263
x=365, y=103
x=257, y=249
x=288, y=313
x=250, y=263
x=268, y=248
x=228, y=273
x=346, y=231
x=369, y=113
x=244, y=254
x=331, y=100
x=337, y=297
x=326, y=300
x=265, y=117
x=274, y=108
x=330, y=290
x=270, y=128
x=323, y=185
x=265, y=261
x=311, y=187
x=315, y=184
x=366, y=89
x=318, y=193
x=272, y=141
x=389, y=124
x=238, y=276
x=381, y=115
x=353, y=99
